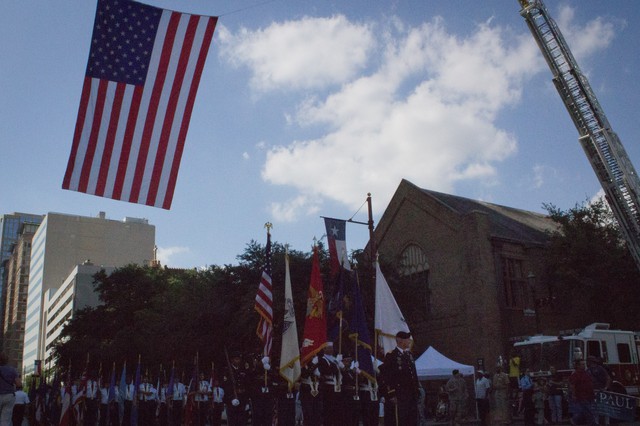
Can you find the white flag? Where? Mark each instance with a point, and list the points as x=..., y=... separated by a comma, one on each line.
x=388, y=319
x=290, y=352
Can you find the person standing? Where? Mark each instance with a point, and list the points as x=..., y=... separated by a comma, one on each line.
x=399, y=375
x=311, y=400
x=526, y=398
x=202, y=400
x=539, y=396
x=9, y=380
x=554, y=387
x=262, y=393
x=501, y=386
x=601, y=382
x=92, y=402
x=19, y=408
x=217, y=398
x=582, y=393
x=482, y=389
x=457, y=392
x=235, y=385
x=331, y=386
x=104, y=402
x=177, y=403
x=129, y=394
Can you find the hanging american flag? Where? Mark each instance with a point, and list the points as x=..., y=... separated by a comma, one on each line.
x=264, y=301
x=139, y=89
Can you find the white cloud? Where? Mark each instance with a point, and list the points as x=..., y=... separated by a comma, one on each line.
x=426, y=113
x=585, y=40
x=165, y=254
x=245, y=155
x=437, y=132
x=289, y=210
x=308, y=53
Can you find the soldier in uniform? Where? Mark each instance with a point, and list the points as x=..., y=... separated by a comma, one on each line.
x=104, y=401
x=285, y=402
x=128, y=401
x=203, y=391
x=177, y=403
x=146, y=399
x=92, y=398
x=234, y=383
x=360, y=396
x=163, y=416
x=401, y=384
x=331, y=386
x=217, y=399
x=262, y=393
x=310, y=396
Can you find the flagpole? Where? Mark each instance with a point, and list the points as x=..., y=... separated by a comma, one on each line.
x=372, y=240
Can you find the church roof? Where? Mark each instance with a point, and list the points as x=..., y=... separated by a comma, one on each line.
x=505, y=222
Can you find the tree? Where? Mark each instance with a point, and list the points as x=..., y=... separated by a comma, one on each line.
x=592, y=273
x=162, y=315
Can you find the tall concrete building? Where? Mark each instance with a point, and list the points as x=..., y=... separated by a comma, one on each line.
x=77, y=292
x=61, y=243
x=9, y=232
x=17, y=267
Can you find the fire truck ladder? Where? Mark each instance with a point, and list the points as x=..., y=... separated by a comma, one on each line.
x=600, y=143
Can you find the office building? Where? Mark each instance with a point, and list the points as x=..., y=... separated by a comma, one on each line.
x=77, y=292
x=9, y=232
x=61, y=244
x=17, y=268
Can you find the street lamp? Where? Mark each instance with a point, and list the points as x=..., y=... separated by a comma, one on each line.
x=532, y=286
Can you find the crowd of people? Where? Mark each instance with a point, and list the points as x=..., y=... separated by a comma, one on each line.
x=331, y=391
x=546, y=398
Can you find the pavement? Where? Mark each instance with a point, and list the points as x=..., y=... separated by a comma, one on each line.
x=517, y=422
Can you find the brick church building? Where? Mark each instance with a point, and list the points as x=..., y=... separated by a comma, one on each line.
x=465, y=273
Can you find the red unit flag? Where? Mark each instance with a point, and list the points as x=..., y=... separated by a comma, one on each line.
x=315, y=324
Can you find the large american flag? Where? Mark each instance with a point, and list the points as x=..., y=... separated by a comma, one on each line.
x=139, y=89
x=264, y=302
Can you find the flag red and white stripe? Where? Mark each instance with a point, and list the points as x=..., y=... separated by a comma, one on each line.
x=264, y=303
x=142, y=77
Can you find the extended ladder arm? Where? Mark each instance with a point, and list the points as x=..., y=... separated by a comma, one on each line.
x=604, y=150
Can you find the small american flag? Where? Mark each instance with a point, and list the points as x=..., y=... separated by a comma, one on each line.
x=139, y=89
x=264, y=302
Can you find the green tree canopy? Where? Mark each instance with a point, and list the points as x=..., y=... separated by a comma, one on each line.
x=592, y=274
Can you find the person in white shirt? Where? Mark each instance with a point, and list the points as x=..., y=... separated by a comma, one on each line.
x=202, y=400
x=128, y=401
x=22, y=399
x=92, y=401
x=482, y=388
x=147, y=398
x=104, y=402
x=218, y=403
x=177, y=403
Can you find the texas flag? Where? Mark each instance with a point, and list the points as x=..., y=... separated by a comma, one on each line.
x=336, y=237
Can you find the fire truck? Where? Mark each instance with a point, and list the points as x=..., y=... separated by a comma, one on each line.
x=618, y=349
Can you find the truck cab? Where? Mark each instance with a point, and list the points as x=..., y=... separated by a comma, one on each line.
x=618, y=349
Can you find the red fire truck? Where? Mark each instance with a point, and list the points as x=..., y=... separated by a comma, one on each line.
x=617, y=348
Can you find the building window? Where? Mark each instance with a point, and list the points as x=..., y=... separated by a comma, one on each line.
x=515, y=284
x=413, y=268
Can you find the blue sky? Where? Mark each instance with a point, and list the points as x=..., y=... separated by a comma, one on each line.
x=306, y=106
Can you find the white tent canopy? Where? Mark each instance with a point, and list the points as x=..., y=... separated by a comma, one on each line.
x=432, y=365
